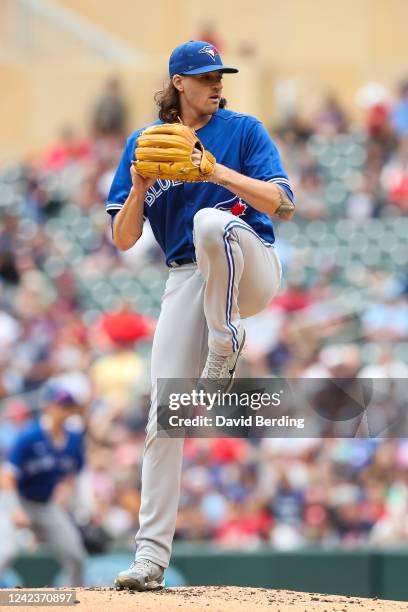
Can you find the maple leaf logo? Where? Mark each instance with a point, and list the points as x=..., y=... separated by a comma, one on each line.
x=238, y=209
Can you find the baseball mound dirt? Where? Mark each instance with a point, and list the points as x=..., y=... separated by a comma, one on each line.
x=221, y=599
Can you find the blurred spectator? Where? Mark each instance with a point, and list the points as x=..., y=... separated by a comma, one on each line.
x=374, y=98
x=331, y=118
x=365, y=201
x=295, y=297
x=387, y=320
x=286, y=505
x=119, y=377
x=377, y=121
x=385, y=366
x=395, y=176
x=8, y=270
x=247, y=49
x=399, y=114
x=125, y=327
x=207, y=32
x=109, y=117
x=246, y=526
x=69, y=148
x=310, y=195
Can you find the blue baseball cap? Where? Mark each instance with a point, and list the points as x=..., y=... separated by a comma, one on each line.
x=53, y=393
x=196, y=57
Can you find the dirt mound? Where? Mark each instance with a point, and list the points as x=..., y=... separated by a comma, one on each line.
x=221, y=599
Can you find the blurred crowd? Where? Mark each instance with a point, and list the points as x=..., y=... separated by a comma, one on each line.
x=73, y=307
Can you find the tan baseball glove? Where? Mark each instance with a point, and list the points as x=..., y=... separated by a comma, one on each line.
x=165, y=151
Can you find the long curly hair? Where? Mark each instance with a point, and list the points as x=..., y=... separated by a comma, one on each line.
x=168, y=102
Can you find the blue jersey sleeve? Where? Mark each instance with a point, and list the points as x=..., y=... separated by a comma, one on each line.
x=122, y=181
x=262, y=160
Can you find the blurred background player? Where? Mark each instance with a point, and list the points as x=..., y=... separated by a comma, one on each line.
x=50, y=450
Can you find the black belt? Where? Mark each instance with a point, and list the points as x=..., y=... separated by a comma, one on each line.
x=35, y=500
x=182, y=262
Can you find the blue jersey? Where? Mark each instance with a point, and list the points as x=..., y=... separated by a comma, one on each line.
x=40, y=465
x=237, y=141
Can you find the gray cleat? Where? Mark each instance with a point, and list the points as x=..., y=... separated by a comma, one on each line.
x=142, y=575
x=221, y=367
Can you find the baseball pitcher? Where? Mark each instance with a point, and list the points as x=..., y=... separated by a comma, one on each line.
x=210, y=181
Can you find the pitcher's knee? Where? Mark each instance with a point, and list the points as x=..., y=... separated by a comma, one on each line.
x=208, y=228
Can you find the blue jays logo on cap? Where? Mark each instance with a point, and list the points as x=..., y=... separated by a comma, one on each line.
x=211, y=51
x=196, y=57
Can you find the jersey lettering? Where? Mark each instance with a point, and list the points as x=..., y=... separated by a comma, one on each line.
x=153, y=193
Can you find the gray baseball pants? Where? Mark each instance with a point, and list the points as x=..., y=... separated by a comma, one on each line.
x=236, y=276
x=52, y=526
